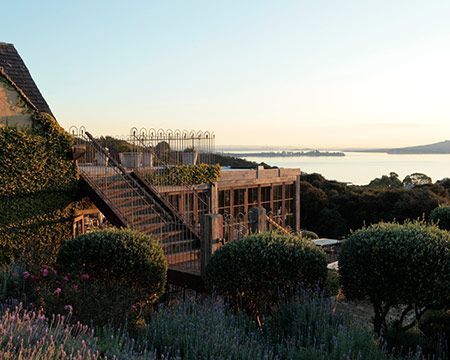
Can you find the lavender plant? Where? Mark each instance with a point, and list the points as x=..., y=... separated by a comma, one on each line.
x=30, y=336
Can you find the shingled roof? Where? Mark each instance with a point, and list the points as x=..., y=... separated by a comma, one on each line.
x=14, y=70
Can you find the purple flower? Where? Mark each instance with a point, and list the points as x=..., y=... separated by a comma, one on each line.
x=26, y=274
x=85, y=277
x=57, y=291
x=44, y=272
x=68, y=308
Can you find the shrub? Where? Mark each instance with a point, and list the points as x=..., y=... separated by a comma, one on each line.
x=397, y=265
x=260, y=270
x=123, y=271
x=441, y=217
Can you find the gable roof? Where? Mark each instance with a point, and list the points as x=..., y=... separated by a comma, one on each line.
x=15, y=71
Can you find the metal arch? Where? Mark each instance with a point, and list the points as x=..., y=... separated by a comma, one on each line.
x=152, y=134
x=240, y=217
x=134, y=131
x=77, y=131
x=160, y=134
x=143, y=132
x=73, y=130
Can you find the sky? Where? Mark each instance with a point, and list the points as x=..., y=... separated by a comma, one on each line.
x=321, y=74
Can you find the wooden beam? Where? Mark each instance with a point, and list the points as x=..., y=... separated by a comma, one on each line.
x=297, y=204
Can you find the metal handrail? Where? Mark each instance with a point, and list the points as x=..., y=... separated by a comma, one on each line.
x=171, y=216
x=277, y=226
x=167, y=166
x=126, y=175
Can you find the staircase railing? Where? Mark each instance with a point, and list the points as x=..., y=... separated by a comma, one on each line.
x=189, y=189
x=272, y=223
x=103, y=172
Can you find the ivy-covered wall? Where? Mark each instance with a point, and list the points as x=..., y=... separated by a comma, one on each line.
x=38, y=187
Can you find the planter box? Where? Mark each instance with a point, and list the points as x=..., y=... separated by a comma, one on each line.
x=189, y=158
x=101, y=160
x=147, y=159
x=131, y=159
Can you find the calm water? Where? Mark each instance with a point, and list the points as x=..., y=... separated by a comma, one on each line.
x=360, y=168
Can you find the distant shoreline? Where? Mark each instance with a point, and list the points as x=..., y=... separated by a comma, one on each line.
x=269, y=154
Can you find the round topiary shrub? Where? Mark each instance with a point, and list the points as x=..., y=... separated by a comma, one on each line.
x=441, y=217
x=260, y=270
x=122, y=272
x=393, y=265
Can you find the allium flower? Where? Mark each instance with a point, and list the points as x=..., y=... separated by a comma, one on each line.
x=75, y=287
x=134, y=307
x=57, y=291
x=85, y=277
x=68, y=308
x=44, y=272
x=26, y=274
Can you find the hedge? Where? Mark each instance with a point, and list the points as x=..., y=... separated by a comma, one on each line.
x=126, y=271
x=260, y=270
x=441, y=217
x=396, y=265
x=38, y=186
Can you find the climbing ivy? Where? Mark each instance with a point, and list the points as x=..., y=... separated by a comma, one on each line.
x=185, y=175
x=38, y=186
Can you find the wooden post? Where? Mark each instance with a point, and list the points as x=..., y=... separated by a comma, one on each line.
x=211, y=232
x=214, y=192
x=257, y=219
x=297, y=204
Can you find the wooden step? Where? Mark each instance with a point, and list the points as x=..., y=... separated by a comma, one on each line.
x=166, y=235
x=175, y=247
x=137, y=210
x=131, y=201
x=149, y=228
x=145, y=219
x=183, y=257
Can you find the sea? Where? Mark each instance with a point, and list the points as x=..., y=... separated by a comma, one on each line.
x=360, y=168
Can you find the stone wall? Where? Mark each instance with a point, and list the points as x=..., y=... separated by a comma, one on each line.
x=14, y=111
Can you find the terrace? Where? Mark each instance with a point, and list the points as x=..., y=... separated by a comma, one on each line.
x=166, y=184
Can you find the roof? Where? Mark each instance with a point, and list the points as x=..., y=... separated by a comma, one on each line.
x=15, y=71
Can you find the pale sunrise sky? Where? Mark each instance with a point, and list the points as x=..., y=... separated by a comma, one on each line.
x=323, y=74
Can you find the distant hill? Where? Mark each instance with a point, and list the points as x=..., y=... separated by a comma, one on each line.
x=442, y=147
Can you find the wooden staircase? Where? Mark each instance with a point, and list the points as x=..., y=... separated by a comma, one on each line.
x=129, y=201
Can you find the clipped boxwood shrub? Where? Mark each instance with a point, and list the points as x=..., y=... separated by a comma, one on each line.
x=260, y=270
x=123, y=271
x=397, y=265
x=441, y=217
